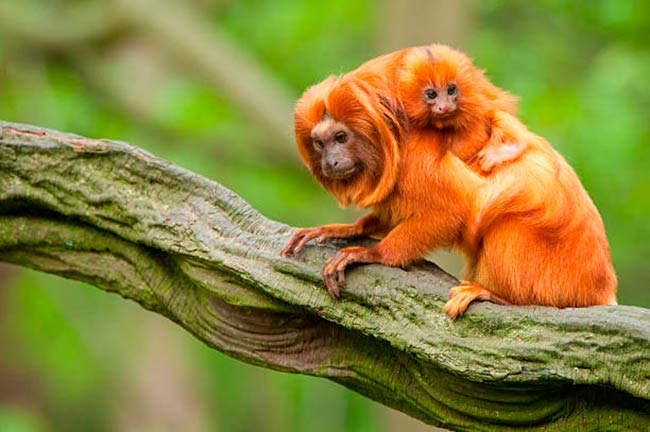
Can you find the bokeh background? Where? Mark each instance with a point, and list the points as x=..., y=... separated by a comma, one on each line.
x=209, y=85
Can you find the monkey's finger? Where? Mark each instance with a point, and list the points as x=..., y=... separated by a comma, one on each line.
x=340, y=270
x=464, y=302
x=343, y=262
x=451, y=309
x=341, y=277
x=329, y=267
x=289, y=248
x=334, y=292
x=332, y=263
x=458, y=305
x=300, y=245
x=306, y=236
x=300, y=237
x=286, y=251
x=333, y=288
x=330, y=284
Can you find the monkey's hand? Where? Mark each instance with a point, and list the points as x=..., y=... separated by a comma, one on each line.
x=302, y=236
x=368, y=224
x=334, y=271
x=492, y=156
x=508, y=140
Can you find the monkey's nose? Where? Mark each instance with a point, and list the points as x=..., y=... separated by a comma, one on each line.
x=337, y=168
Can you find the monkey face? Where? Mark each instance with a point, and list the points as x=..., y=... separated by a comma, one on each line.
x=347, y=134
x=441, y=88
x=442, y=100
x=337, y=147
x=438, y=86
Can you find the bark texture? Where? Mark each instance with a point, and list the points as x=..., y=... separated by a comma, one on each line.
x=127, y=222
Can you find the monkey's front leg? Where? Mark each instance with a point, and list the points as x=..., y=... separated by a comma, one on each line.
x=405, y=244
x=368, y=224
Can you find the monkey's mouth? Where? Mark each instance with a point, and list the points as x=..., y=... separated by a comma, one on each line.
x=340, y=174
x=438, y=116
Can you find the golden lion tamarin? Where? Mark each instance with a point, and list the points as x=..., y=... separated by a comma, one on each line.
x=457, y=170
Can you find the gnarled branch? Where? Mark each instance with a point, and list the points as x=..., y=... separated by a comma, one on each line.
x=128, y=222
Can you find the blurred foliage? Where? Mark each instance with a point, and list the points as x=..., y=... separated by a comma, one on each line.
x=580, y=69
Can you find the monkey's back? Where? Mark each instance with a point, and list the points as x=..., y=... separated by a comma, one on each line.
x=551, y=248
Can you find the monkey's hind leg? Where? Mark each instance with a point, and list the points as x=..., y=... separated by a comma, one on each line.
x=462, y=295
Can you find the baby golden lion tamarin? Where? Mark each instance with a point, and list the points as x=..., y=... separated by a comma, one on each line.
x=441, y=89
x=534, y=233
x=528, y=229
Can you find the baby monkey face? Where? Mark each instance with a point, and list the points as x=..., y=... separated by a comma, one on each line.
x=442, y=100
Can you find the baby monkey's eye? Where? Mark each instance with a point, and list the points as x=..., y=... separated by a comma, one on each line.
x=430, y=94
x=341, y=137
x=452, y=89
x=318, y=145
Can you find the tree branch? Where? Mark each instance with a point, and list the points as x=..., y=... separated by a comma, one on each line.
x=128, y=222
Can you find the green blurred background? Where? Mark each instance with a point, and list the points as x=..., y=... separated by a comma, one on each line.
x=209, y=85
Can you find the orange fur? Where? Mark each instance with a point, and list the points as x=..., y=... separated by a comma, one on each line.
x=476, y=131
x=353, y=102
x=534, y=235
x=421, y=199
x=477, y=181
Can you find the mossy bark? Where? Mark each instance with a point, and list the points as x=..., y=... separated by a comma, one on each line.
x=128, y=222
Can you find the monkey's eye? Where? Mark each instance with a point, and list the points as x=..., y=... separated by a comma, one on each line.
x=318, y=145
x=430, y=94
x=452, y=89
x=341, y=137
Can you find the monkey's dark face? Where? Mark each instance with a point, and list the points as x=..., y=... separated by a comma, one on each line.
x=340, y=150
x=442, y=100
x=348, y=135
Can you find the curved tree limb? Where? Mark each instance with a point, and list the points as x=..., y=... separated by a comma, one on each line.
x=128, y=222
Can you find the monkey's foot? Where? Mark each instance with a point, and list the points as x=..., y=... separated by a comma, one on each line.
x=334, y=271
x=462, y=295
